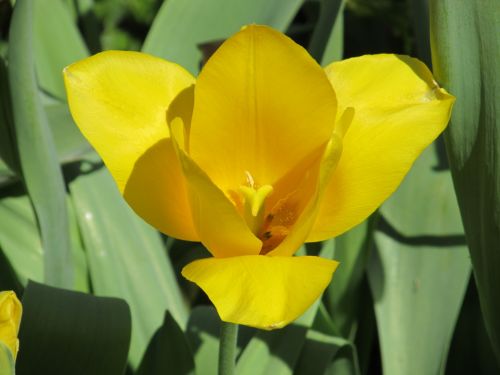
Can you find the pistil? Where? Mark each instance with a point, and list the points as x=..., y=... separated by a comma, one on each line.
x=254, y=199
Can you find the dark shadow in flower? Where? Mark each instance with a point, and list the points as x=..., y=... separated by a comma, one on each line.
x=148, y=184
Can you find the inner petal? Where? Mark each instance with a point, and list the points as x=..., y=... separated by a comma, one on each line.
x=262, y=104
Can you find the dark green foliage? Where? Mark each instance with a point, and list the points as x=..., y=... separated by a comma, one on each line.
x=65, y=332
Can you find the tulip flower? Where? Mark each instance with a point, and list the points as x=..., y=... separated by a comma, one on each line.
x=264, y=151
x=10, y=319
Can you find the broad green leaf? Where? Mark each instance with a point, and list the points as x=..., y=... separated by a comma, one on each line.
x=471, y=351
x=20, y=242
x=342, y=297
x=465, y=53
x=81, y=281
x=273, y=352
x=65, y=332
x=7, y=365
x=70, y=144
x=345, y=362
x=419, y=270
x=69, y=141
x=203, y=334
x=40, y=168
x=126, y=257
x=326, y=44
x=57, y=43
x=54, y=27
x=19, y=238
x=168, y=351
x=319, y=352
x=181, y=27
x=334, y=49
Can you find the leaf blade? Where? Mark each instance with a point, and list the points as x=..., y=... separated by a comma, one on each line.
x=419, y=270
x=125, y=256
x=201, y=21
x=465, y=52
x=37, y=153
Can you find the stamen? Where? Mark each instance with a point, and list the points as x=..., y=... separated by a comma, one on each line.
x=250, y=180
x=277, y=223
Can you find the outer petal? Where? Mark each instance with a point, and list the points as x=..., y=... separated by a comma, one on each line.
x=261, y=291
x=262, y=104
x=10, y=319
x=400, y=110
x=119, y=100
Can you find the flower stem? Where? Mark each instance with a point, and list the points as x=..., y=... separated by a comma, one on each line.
x=227, y=348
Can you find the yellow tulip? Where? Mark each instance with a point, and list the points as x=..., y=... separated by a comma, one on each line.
x=264, y=151
x=10, y=319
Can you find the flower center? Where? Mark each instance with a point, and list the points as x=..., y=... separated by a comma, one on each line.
x=270, y=225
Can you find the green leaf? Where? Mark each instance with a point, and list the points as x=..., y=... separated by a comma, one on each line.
x=345, y=362
x=471, y=351
x=343, y=296
x=419, y=270
x=19, y=238
x=317, y=357
x=40, y=167
x=81, y=282
x=20, y=242
x=7, y=365
x=326, y=44
x=69, y=141
x=57, y=43
x=203, y=334
x=181, y=27
x=126, y=257
x=465, y=54
x=273, y=352
x=168, y=351
x=65, y=332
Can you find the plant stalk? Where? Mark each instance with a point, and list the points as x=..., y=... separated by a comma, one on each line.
x=227, y=348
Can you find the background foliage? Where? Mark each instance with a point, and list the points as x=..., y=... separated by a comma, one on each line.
x=402, y=302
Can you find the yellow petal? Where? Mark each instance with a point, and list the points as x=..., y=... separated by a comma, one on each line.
x=399, y=110
x=262, y=105
x=10, y=319
x=119, y=100
x=261, y=291
x=219, y=226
